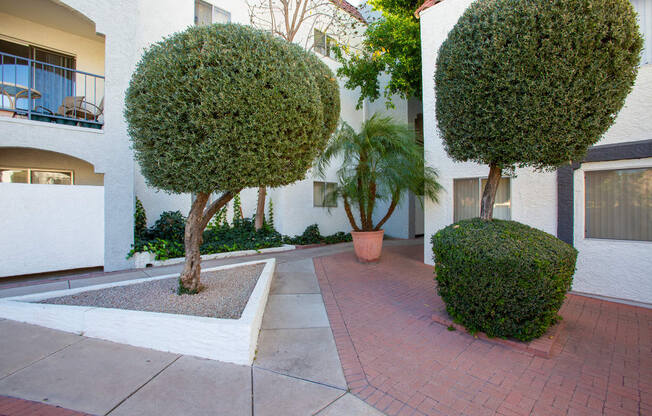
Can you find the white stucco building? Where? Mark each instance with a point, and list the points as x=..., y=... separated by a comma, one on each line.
x=615, y=244
x=68, y=179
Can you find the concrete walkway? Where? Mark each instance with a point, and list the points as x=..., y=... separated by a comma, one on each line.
x=297, y=370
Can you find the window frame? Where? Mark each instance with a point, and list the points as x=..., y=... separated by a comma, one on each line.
x=325, y=48
x=584, y=200
x=214, y=9
x=479, y=179
x=29, y=174
x=324, y=203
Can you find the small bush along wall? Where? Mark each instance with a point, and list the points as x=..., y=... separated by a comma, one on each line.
x=502, y=278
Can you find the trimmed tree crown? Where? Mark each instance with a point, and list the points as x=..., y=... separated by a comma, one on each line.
x=534, y=83
x=226, y=107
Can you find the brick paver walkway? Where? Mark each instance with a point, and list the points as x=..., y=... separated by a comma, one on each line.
x=400, y=361
x=11, y=406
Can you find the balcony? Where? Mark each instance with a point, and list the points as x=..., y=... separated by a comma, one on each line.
x=37, y=90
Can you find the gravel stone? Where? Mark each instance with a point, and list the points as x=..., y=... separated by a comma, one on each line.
x=225, y=295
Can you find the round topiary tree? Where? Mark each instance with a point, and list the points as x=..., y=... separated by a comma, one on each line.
x=533, y=83
x=221, y=108
x=330, y=100
x=511, y=289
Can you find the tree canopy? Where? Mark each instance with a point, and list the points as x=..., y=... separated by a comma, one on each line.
x=392, y=45
x=220, y=108
x=534, y=83
x=225, y=107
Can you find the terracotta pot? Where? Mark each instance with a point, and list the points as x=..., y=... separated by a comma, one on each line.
x=368, y=245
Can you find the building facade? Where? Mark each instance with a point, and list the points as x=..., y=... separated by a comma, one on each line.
x=68, y=179
x=602, y=205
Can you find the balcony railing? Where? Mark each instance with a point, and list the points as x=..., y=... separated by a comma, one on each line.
x=45, y=92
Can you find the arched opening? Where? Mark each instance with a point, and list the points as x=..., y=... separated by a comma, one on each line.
x=52, y=64
x=35, y=166
x=52, y=208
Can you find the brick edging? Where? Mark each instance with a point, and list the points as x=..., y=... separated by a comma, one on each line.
x=10, y=406
x=356, y=378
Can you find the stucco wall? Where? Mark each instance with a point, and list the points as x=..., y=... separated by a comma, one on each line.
x=604, y=267
x=83, y=172
x=615, y=268
x=68, y=234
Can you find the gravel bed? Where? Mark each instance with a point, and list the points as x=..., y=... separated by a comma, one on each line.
x=225, y=295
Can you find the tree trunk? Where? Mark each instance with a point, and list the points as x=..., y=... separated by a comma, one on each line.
x=349, y=214
x=489, y=193
x=260, y=208
x=390, y=211
x=195, y=224
x=189, y=279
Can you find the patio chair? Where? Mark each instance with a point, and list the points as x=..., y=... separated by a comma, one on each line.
x=79, y=108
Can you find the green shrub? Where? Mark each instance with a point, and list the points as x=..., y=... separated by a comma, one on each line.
x=241, y=236
x=502, y=278
x=140, y=220
x=312, y=235
x=170, y=226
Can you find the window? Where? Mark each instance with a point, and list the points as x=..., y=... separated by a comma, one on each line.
x=323, y=42
x=467, y=194
x=36, y=176
x=324, y=194
x=206, y=14
x=618, y=204
x=52, y=75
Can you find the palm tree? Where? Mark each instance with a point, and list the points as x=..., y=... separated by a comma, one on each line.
x=380, y=163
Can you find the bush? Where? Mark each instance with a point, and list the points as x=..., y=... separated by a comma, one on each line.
x=241, y=236
x=312, y=235
x=170, y=226
x=140, y=220
x=502, y=277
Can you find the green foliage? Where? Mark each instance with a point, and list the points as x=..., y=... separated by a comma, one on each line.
x=330, y=97
x=170, y=226
x=502, y=277
x=399, y=7
x=380, y=163
x=391, y=45
x=534, y=83
x=270, y=214
x=241, y=236
x=312, y=235
x=140, y=220
x=224, y=107
x=237, y=209
x=161, y=248
x=218, y=220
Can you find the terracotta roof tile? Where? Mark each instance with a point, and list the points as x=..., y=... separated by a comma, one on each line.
x=350, y=9
x=425, y=5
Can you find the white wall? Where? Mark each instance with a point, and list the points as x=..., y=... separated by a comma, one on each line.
x=50, y=227
x=619, y=269
x=615, y=268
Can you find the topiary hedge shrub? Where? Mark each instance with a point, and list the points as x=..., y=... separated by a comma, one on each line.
x=502, y=278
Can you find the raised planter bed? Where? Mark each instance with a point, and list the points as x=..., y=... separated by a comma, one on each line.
x=147, y=259
x=230, y=340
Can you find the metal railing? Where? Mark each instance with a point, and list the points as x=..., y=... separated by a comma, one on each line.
x=46, y=92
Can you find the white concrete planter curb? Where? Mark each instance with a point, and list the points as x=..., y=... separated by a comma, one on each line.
x=144, y=259
x=229, y=340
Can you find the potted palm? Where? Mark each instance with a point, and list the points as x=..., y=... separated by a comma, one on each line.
x=381, y=162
